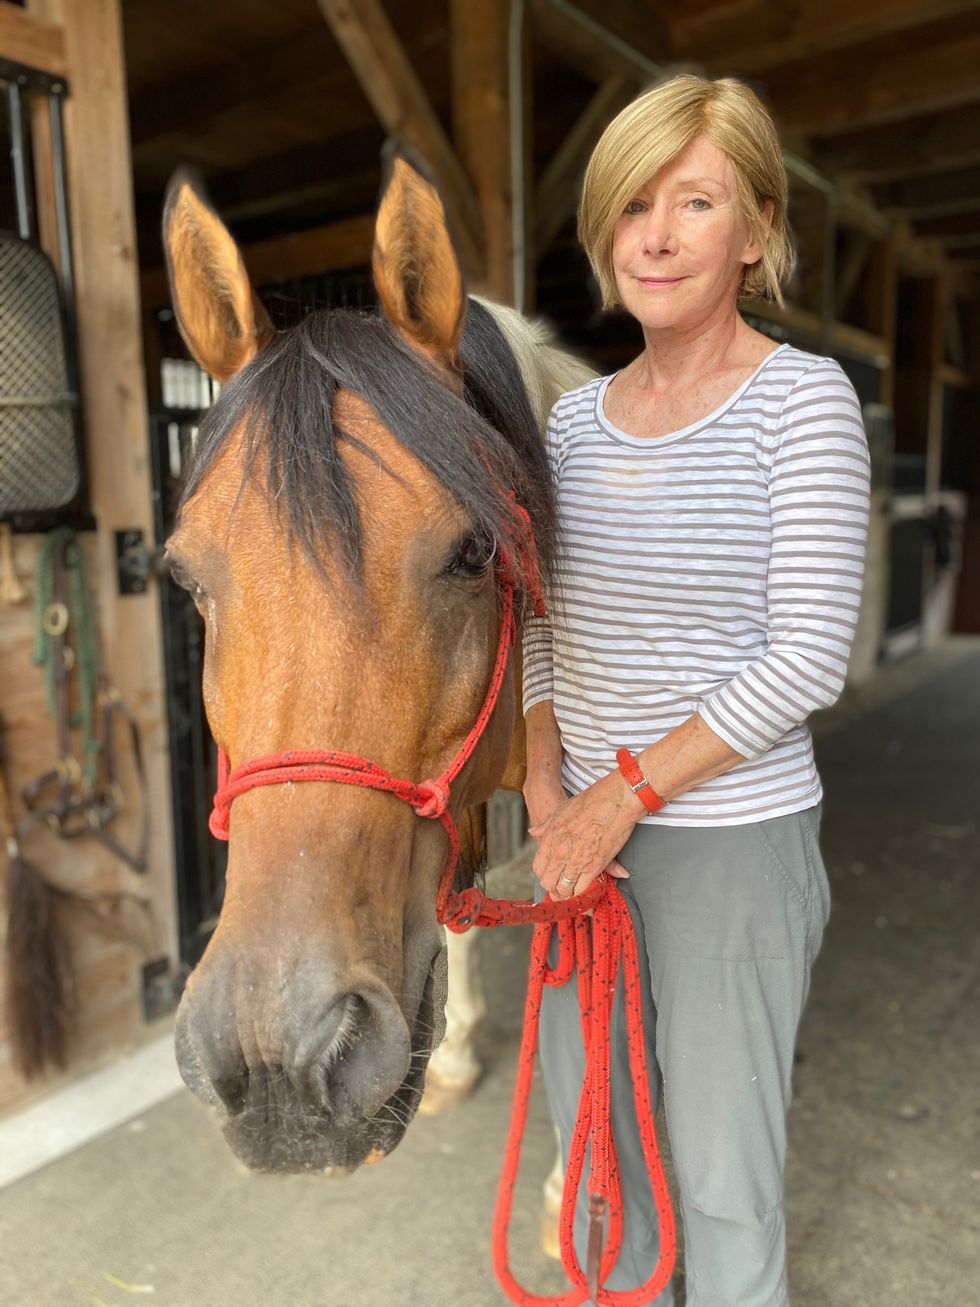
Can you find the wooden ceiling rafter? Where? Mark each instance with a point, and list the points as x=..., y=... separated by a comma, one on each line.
x=557, y=191
x=883, y=80
x=922, y=146
x=32, y=41
x=754, y=36
x=371, y=45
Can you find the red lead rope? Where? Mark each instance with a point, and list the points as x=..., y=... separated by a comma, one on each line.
x=596, y=956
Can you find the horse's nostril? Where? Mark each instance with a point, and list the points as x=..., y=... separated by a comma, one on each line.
x=233, y=1092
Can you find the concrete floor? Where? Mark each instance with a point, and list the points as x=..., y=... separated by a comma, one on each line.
x=884, y=1170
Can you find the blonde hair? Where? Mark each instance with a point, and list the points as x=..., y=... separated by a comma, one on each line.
x=651, y=132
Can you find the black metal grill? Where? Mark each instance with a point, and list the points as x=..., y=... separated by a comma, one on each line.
x=38, y=455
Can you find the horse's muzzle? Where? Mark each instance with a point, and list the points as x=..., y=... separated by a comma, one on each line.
x=306, y=1086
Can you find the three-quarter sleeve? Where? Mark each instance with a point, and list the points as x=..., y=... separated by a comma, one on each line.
x=819, y=505
x=538, y=672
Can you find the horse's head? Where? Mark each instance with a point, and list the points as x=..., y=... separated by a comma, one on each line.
x=338, y=532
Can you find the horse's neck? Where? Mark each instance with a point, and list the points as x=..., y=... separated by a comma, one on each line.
x=548, y=372
x=546, y=369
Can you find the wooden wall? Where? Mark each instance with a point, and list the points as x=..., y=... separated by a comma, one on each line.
x=82, y=38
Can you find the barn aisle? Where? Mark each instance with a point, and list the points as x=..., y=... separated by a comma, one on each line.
x=884, y=1176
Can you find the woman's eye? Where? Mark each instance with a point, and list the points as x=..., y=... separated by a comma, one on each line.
x=474, y=556
x=702, y=204
x=634, y=206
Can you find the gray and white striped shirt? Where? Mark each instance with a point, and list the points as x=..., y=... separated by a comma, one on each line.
x=717, y=569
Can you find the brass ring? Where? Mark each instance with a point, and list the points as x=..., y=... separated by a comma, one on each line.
x=55, y=619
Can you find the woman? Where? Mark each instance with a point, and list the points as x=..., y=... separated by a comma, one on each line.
x=713, y=499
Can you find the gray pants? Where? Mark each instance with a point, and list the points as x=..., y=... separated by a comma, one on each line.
x=728, y=922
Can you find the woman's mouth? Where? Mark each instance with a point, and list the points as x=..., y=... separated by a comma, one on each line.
x=658, y=283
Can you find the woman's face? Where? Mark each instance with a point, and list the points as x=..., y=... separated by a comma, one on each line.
x=680, y=247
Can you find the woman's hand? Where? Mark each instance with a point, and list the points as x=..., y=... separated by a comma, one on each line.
x=581, y=837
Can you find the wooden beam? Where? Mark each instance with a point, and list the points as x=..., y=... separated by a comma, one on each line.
x=331, y=248
x=571, y=34
x=936, y=196
x=921, y=146
x=752, y=36
x=116, y=437
x=850, y=267
x=478, y=32
x=558, y=189
x=364, y=32
x=962, y=227
x=843, y=337
x=884, y=80
x=27, y=39
x=217, y=90
x=883, y=295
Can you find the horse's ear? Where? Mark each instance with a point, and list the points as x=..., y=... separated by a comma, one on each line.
x=416, y=271
x=219, y=315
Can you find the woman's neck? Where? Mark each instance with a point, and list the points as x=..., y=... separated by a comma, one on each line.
x=674, y=355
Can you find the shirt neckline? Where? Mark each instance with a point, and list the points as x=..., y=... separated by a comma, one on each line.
x=651, y=442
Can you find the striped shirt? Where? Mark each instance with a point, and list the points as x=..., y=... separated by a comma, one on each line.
x=718, y=570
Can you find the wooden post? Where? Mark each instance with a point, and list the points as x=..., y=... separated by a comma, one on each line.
x=489, y=129
x=365, y=34
x=114, y=402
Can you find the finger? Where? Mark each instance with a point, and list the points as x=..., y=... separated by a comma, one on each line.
x=617, y=870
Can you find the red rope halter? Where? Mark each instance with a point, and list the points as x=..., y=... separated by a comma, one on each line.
x=595, y=953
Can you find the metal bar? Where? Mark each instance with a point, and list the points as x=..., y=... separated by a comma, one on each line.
x=63, y=221
x=21, y=162
x=828, y=280
x=30, y=79
x=603, y=35
x=518, y=197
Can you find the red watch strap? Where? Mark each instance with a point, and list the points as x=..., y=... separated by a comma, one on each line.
x=637, y=782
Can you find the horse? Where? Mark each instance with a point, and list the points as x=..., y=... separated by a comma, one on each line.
x=350, y=495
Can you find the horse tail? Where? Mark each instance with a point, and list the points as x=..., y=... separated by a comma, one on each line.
x=37, y=971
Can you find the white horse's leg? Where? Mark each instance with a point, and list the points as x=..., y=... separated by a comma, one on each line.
x=453, y=1068
x=551, y=1208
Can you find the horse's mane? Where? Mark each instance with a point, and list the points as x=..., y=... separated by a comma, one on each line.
x=479, y=450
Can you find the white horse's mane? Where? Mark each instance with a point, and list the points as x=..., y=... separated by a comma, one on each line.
x=548, y=371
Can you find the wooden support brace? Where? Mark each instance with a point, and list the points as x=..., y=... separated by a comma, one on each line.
x=366, y=36
x=27, y=39
x=558, y=188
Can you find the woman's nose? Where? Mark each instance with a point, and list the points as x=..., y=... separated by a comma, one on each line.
x=658, y=233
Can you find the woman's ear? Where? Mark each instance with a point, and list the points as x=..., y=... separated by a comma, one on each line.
x=219, y=315
x=416, y=272
x=752, y=251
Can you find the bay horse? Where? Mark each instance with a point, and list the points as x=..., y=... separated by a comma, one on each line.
x=348, y=495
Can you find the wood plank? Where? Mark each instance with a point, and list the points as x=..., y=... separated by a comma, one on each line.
x=558, y=190
x=482, y=129
x=924, y=145
x=27, y=39
x=365, y=34
x=847, y=339
x=965, y=227
x=939, y=195
x=580, y=40
x=884, y=80
x=115, y=419
x=750, y=38
x=329, y=248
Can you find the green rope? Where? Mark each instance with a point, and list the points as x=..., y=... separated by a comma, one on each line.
x=80, y=635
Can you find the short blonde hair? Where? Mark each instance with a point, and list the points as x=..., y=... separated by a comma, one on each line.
x=652, y=131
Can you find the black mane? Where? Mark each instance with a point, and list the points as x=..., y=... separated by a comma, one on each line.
x=478, y=450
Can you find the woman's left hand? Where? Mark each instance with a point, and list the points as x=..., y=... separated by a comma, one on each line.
x=584, y=835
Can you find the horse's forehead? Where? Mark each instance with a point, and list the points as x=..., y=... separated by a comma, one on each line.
x=397, y=495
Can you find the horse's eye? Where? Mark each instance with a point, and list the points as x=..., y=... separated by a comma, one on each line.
x=474, y=556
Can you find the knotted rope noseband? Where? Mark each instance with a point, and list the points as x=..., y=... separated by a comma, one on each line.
x=595, y=954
